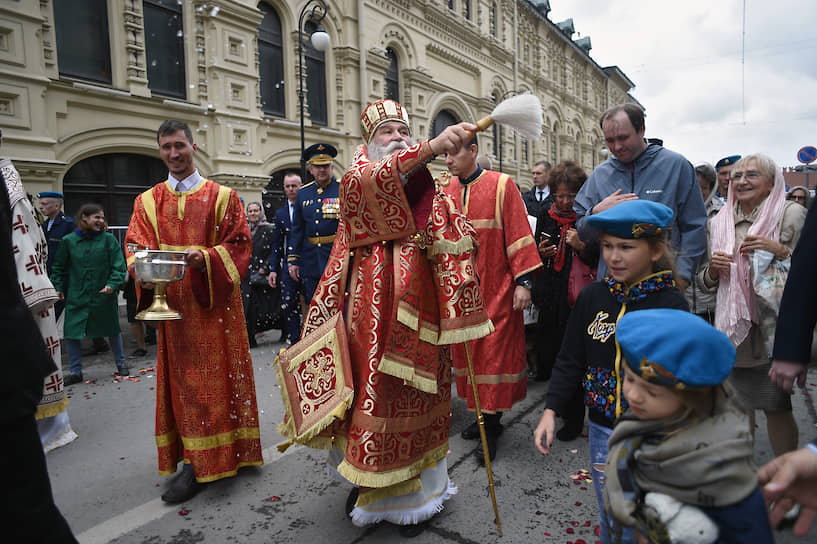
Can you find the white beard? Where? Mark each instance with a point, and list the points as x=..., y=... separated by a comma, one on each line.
x=377, y=152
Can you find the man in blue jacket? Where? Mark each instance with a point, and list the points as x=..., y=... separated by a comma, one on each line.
x=290, y=289
x=315, y=219
x=638, y=169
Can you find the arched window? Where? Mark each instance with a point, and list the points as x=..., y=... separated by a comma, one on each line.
x=451, y=4
x=443, y=119
x=271, y=61
x=83, y=46
x=492, y=20
x=392, y=76
x=466, y=9
x=315, y=79
x=112, y=180
x=164, y=47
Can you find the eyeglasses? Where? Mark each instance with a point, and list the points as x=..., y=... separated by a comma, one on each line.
x=751, y=175
x=798, y=198
x=566, y=196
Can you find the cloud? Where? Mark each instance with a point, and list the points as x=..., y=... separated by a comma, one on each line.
x=685, y=60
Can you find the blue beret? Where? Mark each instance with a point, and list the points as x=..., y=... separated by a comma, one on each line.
x=726, y=161
x=320, y=154
x=51, y=194
x=633, y=219
x=674, y=348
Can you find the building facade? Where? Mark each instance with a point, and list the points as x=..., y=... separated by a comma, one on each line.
x=86, y=83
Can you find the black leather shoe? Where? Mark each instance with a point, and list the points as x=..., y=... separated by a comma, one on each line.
x=183, y=488
x=71, y=379
x=492, y=440
x=472, y=431
x=351, y=500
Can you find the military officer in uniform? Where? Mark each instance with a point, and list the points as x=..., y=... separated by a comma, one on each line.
x=55, y=225
x=290, y=289
x=315, y=219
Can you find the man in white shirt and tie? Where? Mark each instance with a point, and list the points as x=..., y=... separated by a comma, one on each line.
x=290, y=288
x=539, y=195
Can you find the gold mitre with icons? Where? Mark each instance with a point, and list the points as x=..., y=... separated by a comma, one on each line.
x=380, y=112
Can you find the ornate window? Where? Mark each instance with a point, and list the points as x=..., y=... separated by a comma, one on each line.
x=83, y=44
x=164, y=47
x=271, y=61
x=451, y=4
x=443, y=119
x=392, y=76
x=492, y=20
x=315, y=79
x=466, y=9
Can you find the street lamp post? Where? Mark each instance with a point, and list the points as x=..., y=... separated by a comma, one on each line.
x=315, y=11
x=499, y=127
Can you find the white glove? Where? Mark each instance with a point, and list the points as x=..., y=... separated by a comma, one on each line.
x=686, y=524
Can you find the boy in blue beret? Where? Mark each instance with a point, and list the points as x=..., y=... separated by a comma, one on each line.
x=680, y=467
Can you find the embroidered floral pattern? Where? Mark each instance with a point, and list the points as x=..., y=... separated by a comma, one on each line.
x=600, y=391
x=655, y=282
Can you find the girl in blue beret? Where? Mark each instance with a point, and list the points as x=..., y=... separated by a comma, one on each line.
x=680, y=467
x=634, y=247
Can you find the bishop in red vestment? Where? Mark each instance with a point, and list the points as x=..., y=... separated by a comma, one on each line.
x=401, y=274
x=206, y=412
x=507, y=256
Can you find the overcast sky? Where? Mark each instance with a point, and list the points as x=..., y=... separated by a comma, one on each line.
x=685, y=60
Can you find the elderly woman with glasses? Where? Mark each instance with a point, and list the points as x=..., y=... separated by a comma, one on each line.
x=756, y=227
x=801, y=195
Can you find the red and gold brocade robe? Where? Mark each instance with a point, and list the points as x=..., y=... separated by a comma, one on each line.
x=206, y=409
x=405, y=291
x=506, y=252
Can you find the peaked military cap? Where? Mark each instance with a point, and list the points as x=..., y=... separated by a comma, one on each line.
x=726, y=161
x=320, y=153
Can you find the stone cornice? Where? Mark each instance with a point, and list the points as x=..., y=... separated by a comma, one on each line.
x=443, y=53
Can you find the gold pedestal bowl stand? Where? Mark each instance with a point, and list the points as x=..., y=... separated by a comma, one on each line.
x=159, y=268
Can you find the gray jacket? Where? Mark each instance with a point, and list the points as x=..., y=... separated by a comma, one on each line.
x=659, y=175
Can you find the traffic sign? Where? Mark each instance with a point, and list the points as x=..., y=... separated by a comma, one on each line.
x=807, y=154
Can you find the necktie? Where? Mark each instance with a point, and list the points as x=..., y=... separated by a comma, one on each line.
x=290, y=212
x=539, y=196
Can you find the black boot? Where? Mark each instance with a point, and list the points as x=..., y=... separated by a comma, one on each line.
x=183, y=488
x=471, y=432
x=493, y=428
x=351, y=500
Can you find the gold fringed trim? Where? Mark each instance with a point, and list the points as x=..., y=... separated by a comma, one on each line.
x=429, y=335
x=407, y=317
x=403, y=488
x=458, y=336
x=463, y=245
x=229, y=265
x=392, y=477
x=322, y=443
x=51, y=410
x=427, y=385
x=395, y=368
x=229, y=473
x=210, y=442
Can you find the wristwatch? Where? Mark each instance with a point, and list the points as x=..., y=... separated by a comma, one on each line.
x=526, y=283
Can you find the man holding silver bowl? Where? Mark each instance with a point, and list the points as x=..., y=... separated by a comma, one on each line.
x=206, y=413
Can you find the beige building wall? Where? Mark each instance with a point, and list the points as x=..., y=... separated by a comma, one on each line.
x=446, y=61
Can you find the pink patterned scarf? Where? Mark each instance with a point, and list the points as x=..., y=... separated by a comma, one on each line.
x=735, y=310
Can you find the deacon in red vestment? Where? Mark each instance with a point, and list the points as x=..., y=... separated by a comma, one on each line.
x=507, y=256
x=401, y=274
x=206, y=412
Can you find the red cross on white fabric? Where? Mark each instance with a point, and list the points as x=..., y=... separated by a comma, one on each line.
x=19, y=224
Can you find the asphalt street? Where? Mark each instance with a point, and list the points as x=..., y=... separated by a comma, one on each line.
x=107, y=486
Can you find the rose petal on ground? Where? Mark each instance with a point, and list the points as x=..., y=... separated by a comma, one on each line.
x=586, y=523
x=547, y=534
x=275, y=498
x=574, y=451
x=184, y=512
x=538, y=512
x=570, y=530
x=574, y=523
x=597, y=530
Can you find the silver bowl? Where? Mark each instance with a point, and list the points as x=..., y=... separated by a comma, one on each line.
x=157, y=266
